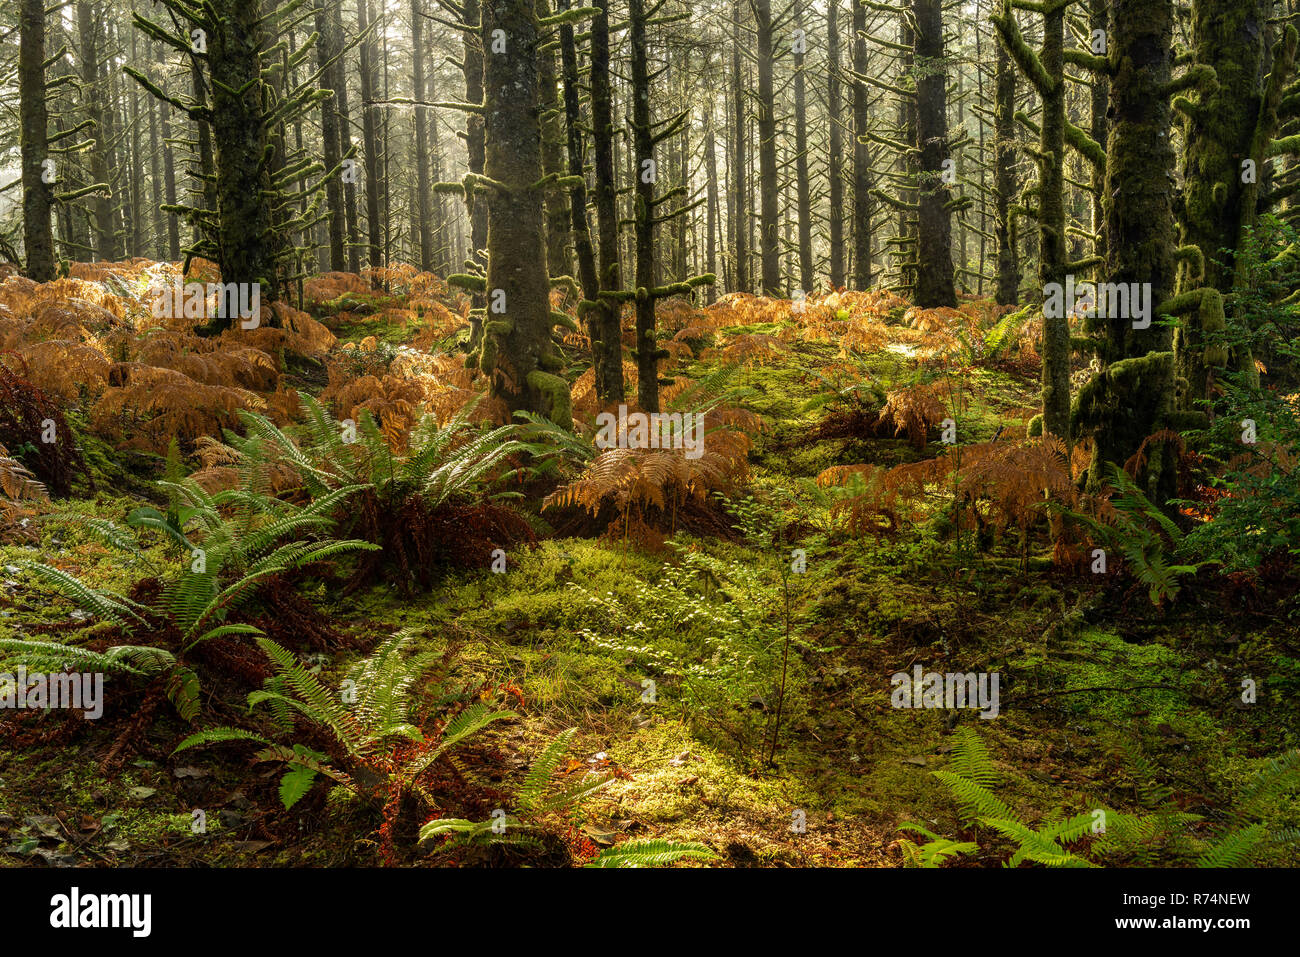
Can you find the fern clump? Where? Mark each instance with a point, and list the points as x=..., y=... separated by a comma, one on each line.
x=1086, y=839
x=233, y=546
x=380, y=747
x=435, y=502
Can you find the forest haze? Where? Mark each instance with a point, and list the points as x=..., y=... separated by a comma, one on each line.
x=772, y=433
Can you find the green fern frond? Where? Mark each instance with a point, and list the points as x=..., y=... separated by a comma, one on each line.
x=538, y=780
x=1235, y=848
x=974, y=800
x=970, y=758
x=654, y=852
x=55, y=656
x=217, y=736
x=93, y=601
x=320, y=702
x=1034, y=846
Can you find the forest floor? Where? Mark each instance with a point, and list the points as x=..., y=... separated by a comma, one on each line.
x=1106, y=699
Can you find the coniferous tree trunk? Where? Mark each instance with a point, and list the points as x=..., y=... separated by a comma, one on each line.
x=592, y=309
x=835, y=159
x=516, y=351
x=245, y=236
x=169, y=188
x=740, y=214
x=647, y=359
x=807, y=279
x=38, y=236
x=474, y=142
x=327, y=50
x=1228, y=132
x=862, y=271
x=1099, y=129
x=934, y=269
x=559, y=262
x=714, y=208
x=1045, y=69
x=340, y=87
x=1132, y=396
x=373, y=172
x=423, y=190
x=93, y=95
x=608, y=323
x=1005, y=183
x=769, y=236
x=207, y=186
x=155, y=174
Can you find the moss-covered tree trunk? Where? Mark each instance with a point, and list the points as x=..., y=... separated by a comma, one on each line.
x=934, y=269
x=1226, y=131
x=647, y=358
x=516, y=351
x=243, y=175
x=607, y=337
x=1045, y=69
x=38, y=236
x=1005, y=182
x=1132, y=396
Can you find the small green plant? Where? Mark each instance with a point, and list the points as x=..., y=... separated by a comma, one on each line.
x=537, y=800
x=231, y=544
x=432, y=501
x=651, y=852
x=1101, y=833
x=1148, y=539
x=377, y=749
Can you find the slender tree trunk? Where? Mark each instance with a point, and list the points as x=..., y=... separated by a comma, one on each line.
x=94, y=96
x=558, y=260
x=586, y=255
x=739, y=188
x=340, y=87
x=475, y=146
x=807, y=278
x=1005, y=185
x=423, y=231
x=834, y=104
x=38, y=237
x=373, y=172
x=769, y=235
x=643, y=149
x=516, y=350
x=608, y=317
x=713, y=211
x=862, y=273
x=327, y=48
x=934, y=269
